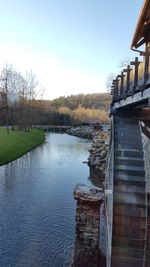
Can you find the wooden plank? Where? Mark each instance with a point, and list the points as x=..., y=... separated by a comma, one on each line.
x=138, y=97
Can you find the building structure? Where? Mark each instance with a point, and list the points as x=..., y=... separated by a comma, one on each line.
x=128, y=177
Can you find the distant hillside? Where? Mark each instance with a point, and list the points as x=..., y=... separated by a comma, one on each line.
x=72, y=110
x=92, y=101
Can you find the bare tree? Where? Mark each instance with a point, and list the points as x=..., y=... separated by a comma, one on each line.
x=31, y=90
x=20, y=93
x=6, y=87
x=124, y=62
x=109, y=80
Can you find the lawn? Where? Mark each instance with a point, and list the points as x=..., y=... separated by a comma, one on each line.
x=17, y=143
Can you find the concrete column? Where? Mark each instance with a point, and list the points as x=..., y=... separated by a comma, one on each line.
x=86, y=250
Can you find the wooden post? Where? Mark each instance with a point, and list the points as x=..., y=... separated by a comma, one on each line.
x=146, y=56
x=112, y=89
x=128, y=79
x=136, y=64
x=116, y=88
x=121, y=85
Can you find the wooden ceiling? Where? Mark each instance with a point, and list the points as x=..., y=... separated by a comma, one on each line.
x=142, y=32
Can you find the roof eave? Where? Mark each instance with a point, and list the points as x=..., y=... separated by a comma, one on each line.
x=136, y=42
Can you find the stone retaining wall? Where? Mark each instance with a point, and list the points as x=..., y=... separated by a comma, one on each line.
x=146, y=148
x=86, y=249
x=98, y=151
x=103, y=229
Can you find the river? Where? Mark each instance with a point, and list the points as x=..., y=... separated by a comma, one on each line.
x=37, y=209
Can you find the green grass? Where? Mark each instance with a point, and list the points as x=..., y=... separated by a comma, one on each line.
x=17, y=143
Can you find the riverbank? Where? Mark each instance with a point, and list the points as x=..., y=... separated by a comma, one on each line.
x=82, y=131
x=99, y=148
x=17, y=143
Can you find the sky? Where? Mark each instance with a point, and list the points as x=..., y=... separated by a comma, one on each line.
x=71, y=45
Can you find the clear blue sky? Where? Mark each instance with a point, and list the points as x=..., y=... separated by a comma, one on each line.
x=71, y=45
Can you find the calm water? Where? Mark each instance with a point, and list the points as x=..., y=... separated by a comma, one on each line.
x=37, y=209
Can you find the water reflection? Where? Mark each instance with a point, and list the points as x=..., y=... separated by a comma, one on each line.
x=37, y=207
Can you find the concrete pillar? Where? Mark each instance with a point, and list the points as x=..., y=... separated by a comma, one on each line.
x=86, y=249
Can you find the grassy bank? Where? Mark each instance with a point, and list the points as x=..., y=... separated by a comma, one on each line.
x=17, y=143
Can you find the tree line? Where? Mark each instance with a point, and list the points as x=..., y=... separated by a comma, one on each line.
x=21, y=105
x=17, y=97
x=73, y=110
x=94, y=101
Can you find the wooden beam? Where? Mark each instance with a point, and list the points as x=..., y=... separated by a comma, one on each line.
x=141, y=115
x=133, y=100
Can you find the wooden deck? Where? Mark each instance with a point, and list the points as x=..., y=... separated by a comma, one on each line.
x=132, y=87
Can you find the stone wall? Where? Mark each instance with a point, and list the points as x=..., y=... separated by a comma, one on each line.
x=146, y=148
x=148, y=232
x=87, y=232
x=103, y=228
x=88, y=214
x=98, y=151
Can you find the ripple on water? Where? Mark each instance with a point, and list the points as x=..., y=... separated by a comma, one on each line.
x=37, y=208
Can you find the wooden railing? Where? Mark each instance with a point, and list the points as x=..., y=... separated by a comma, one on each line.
x=133, y=79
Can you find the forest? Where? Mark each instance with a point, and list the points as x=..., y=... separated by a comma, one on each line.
x=74, y=109
x=21, y=104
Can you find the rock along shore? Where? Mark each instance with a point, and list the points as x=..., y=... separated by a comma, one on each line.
x=82, y=131
x=98, y=151
x=99, y=148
